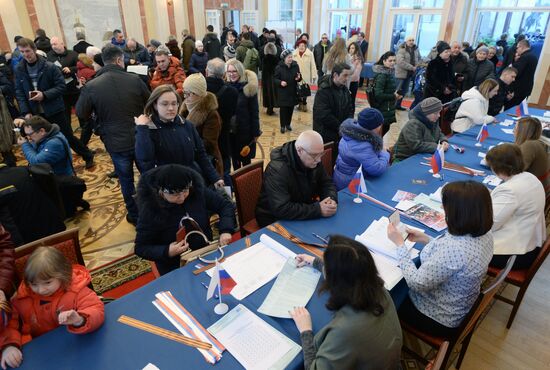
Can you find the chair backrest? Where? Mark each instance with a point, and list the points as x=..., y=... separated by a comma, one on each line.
x=484, y=299
x=66, y=241
x=247, y=183
x=328, y=158
x=441, y=352
x=543, y=253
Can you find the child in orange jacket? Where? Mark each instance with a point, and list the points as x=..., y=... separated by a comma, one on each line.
x=54, y=293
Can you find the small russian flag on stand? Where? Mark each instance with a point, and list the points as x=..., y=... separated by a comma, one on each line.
x=438, y=160
x=357, y=183
x=522, y=109
x=483, y=133
x=223, y=279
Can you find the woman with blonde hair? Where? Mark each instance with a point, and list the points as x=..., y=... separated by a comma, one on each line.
x=475, y=105
x=337, y=54
x=535, y=155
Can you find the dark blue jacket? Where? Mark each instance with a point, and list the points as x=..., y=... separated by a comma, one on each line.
x=140, y=55
x=176, y=142
x=159, y=220
x=357, y=147
x=50, y=82
x=198, y=62
x=54, y=150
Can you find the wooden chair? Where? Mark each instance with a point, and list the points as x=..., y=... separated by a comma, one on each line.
x=521, y=279
x=247, y=183
x=467, y=326
x=438, y=360
x=66, y=241
x=328, y=159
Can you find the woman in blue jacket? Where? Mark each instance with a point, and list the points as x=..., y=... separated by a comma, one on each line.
x=361, y=145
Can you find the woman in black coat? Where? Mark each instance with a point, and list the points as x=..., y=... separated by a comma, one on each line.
x=439, y=75
x=270, y=60
x=172, y=197
x=199, y=59
x=286, y=78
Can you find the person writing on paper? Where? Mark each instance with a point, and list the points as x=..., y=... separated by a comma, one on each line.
x=421, y=134
x=445, y=286
x=173, y=201
x=518, y=204
x=53, y=293
x=534, y=152
x=361, y=145
x=473, y=110
x=296, y=185
x=364, y=332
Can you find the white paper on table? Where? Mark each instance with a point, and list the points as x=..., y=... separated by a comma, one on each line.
x=547, y=114
x=138, y=69
x=375, y=238
x=255, y=266
x=293, y=288
x=436, y=195
x=150, y=366
x=387, y=270
x=508, y=130
x=481, y=154
x=252, y=341
x=404, y=205
x=492, y=180
x=507, y=122
x=426, y=200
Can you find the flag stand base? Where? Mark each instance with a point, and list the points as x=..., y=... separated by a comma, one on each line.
x=478, y=144
x=436, y=175
x=357, y=200
x=221, y=308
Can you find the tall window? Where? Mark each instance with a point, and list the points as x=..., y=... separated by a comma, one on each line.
x=291, y=10
x=345, y=17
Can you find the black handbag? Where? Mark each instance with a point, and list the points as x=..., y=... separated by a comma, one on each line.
x=303, y=90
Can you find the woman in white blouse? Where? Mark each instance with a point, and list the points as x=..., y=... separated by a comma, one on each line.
x=474, y=108
x=518, y=208
x=447, y=283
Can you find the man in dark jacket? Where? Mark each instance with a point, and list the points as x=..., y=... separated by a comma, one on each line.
x=440, y=80
x=116, y=97
x=39, y=89
x=505, y=92
x=296, y=186
x=319, y=52
x=81, y=43
x=460, y=65
x=332, y=104
x=212, y=44
x=526, y=65
x=135, y=53
x=187, y=48
x=227, y=107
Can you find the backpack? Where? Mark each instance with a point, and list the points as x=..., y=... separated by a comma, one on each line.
x=251, y=60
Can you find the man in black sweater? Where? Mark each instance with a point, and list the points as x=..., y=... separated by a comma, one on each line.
x=505, y=92
x=525, y=61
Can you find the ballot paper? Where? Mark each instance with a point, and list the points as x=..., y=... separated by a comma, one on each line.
x=252, y=341
x=492, y=180
x=139, y=69
x=481, y=154
x=507, y=122
x=255, y=266
x=293, y=288
x=405, y=205
x=375, y=238
x=403, y=195
x=390, y=273
x=508, y=130
x=547, y=114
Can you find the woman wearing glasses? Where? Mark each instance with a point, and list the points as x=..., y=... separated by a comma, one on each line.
x=173, y=201
x=163, y=137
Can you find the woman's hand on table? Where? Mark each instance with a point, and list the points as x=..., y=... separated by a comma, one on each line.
x=301, y=318
x=304, y=260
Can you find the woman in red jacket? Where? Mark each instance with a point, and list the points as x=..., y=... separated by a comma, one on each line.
x=54, y=293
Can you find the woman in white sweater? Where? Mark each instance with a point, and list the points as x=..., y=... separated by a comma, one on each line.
x=474, y=108
x=518, y=208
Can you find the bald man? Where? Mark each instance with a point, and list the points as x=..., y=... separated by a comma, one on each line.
x=296, y=186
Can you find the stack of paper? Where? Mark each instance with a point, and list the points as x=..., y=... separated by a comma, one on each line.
x=390, y=273
x=252, y=341
x=255, y=266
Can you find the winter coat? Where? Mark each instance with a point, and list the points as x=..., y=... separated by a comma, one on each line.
x=439, y=75
x=496, y=103
x=198, y=62
x=173, y=75
x=212, y=45
x=526, y=66
x=242, y=49
x=460, y=64
x=358, y=147
x=50, y=82
x=85, y=68
x=384, y=92
x=175, y=142
x=472, y=111
x=81, y=46
x=332, y=105
x=290, y=190
x=104, y=95
x=8, y=113
x=319, y=52
x=306, y=62
x=43, y=43
x=140, y=55
x=208, y=123
x=34, y=314
x=172, y=45
x=187, y=47
x=69, y=59
x=121, y=45
x=419, y=135
x=247, y=115
x=286, y=96
x=479, y=72
x=227, y=97
x=403, y=66
x=270, y=61
x=7, y=262
x=159, y=220
x=53, y=149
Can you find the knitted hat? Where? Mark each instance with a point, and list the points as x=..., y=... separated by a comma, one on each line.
x=482, y=49
x=155, y=43
x=229, y=52
x=431, y=105
x=286, y=53
x=370, y=118
x=98, y=59
x=198, y=43
x=442, y=47
x=195, y=83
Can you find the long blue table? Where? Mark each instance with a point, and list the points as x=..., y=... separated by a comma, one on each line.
x=118, y=346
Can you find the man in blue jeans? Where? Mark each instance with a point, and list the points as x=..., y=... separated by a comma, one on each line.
x=116, y=97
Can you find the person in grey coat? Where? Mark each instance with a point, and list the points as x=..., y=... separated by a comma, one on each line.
x=407, y=57
x=479, y=68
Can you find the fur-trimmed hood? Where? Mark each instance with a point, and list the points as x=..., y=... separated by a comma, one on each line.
x=379, y=68
x=249, y=83
x=270, y=49
x=86, y=60
x=207, y=104
x=351, y=129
